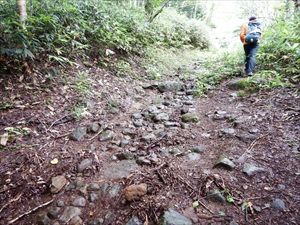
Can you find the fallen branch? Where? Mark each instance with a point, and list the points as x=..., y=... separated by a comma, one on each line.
x=13, y=200
x=30, y=211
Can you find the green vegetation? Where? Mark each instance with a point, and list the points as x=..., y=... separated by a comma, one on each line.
x=61, y=31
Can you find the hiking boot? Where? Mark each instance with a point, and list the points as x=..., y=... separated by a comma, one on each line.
x=250, y=74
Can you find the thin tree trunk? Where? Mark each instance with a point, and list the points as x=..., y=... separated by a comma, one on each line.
x=21, y=9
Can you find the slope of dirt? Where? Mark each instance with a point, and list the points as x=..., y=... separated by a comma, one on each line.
x=38, y=115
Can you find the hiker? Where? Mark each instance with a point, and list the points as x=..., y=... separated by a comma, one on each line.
x=250, y=36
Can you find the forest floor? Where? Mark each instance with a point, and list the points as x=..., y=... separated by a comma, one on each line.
x=148, y=142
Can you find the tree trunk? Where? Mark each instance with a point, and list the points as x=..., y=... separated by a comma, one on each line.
x=21, y=9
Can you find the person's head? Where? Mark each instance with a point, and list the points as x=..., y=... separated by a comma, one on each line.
x=253, y=19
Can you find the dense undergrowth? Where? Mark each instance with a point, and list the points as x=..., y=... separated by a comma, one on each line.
x=60, y=33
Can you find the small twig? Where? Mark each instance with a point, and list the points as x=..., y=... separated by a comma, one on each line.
x=186, y=183
x=13, y=200
x=98, y=133
x=30, y=211
x=201, y=203
x=58, y=120
x=246, y=214
x=161, y=176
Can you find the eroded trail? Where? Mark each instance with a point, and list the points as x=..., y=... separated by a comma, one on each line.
x=218, y=159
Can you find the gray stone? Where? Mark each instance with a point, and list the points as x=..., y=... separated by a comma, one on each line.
x=76, y=221
x=93, y=197
x=60, y=203
x=129, y=132
x=84, y=164
x=53, y=213
x=124, y=143
x=93, y=187
x=114, y=191
x=43, y=219
x=125, y=156
x=79, y=201
x=161, y=117
x=120, y=169
x=103, y=189
x=109, y=218
x=233, y=223
x=143, y=161
x=250, y=169
x=189, y=117
x=69, y=213
x=92, y=147
x=170, y=86
x=192, y=156
x=134, y=221
x=216, y=196
x=227, y=131
x=98, y=221
x=78, y=133
x=172, y=217
x=225, y=162
x=278, y=204
x=138, y=123
x=148, y=137
x=137, y=116
x=198, y=149
x=93, y=128
x=57, y=183
x=236, y=84
x=106, y=135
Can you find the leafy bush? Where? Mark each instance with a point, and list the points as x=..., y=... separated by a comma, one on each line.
x=280, y=49
x=60, y=31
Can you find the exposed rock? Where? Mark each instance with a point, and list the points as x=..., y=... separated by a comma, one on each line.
x=172, y=217
x=161, y=117
x=93, y=187
x=216, y=196
x=43, y=219
x=192, y=156
x=148, y=137
x=106, y=135
x=125, y=156
x=103, y=189
x=236, y=84
x=119, y=169
x=137, y=116
x=84, y=164
x=135, y=192
x=250, y=169
x=78, y=133
x=93, y=197
x=93, y=128
x=199, y=149
x=189, y=117
x=69, y=213
x=278, y=204
x=79, y=201
x=57, y=183
x=134, y=221
x=53, y=213
x=114, y=191
x=76, y=221
x=170, y=86
x=225, y=162
x=109, y=218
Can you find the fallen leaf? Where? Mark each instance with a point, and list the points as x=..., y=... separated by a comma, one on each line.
x=203, y=216
x=54, y=161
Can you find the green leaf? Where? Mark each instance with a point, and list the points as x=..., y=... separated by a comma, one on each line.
x=244, y=206
x=230, y=199
x=195, y=204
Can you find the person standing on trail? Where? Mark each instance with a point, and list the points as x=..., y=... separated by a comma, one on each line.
x=250, y=36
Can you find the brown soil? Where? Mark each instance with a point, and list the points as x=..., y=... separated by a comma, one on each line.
x=44, y=106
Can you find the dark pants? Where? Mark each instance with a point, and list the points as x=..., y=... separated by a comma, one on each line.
x=250, y=52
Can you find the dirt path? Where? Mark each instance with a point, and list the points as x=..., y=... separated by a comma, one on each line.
x=135, y=134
